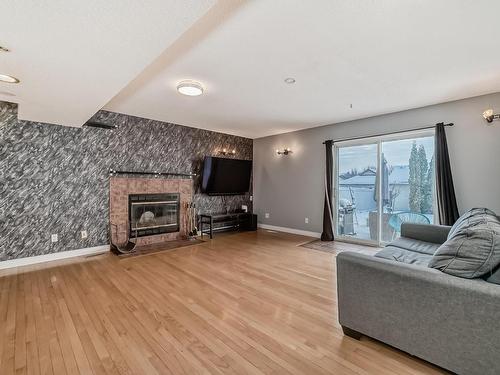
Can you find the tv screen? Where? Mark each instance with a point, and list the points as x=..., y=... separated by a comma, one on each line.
x=225, y=176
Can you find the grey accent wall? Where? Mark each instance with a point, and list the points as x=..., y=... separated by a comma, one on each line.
x=291, y=188
x=54, y=179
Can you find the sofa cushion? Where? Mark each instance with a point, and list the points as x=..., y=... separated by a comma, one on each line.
x=473, y=246
x=404, y=256
x=418, y=246
x=408, y=250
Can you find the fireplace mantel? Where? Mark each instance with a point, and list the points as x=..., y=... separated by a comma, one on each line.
x=114, y=172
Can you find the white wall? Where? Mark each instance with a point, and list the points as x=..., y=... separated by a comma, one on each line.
x=291, y=187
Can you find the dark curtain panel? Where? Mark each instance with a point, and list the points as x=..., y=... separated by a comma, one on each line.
x=446, y=200
x=327, y=234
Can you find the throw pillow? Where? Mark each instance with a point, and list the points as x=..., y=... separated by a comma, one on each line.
x=473, y=248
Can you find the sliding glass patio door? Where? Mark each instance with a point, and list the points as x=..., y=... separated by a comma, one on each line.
x=356, y=198
x=381, y=183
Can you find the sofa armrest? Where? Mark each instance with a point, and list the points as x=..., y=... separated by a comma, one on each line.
x=425, y=232
x=449, y=321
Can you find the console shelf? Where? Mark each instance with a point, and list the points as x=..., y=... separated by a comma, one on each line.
x=230, y=221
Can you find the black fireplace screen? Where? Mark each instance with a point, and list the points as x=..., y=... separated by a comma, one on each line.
x=151, y=214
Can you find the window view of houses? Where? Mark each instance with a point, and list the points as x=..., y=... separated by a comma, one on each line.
x=405, y=189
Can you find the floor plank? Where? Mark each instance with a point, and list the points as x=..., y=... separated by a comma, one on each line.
x=245, y=303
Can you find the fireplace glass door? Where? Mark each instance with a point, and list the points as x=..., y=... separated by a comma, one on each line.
x=153, y=214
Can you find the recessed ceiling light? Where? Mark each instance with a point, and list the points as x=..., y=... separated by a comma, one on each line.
x=289, y=80
x=8, y=79
x=190, y=88
x=4, y=49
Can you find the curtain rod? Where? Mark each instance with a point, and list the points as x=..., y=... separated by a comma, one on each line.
x=381, y=134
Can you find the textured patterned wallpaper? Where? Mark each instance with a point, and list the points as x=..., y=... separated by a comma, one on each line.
x=54, y=179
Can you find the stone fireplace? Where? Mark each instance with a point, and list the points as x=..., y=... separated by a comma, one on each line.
x=155, y=208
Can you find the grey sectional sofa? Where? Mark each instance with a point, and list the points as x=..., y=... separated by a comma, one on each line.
x=396, y=298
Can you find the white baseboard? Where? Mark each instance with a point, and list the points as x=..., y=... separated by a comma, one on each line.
x=54, y=256
x=290, y=230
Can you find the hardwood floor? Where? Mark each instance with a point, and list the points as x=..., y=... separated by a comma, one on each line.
x=251, y=303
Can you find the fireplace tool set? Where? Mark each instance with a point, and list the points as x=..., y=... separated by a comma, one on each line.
x=190, y=220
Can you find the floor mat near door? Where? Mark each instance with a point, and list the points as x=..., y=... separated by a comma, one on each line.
x=336, y=247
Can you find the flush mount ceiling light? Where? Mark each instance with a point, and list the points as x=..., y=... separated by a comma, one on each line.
x=289, y=80
x=8, y=79
x=190, y=88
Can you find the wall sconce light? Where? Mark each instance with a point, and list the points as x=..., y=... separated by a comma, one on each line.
x=490, y=116
x=286, y=151
x=225, y=151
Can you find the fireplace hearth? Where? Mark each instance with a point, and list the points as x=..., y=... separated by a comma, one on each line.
x=151, y=214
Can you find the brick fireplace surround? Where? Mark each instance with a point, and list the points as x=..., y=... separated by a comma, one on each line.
x=121, y=187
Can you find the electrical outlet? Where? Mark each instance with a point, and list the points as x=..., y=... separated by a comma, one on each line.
x=54, y=238
x=251, y=198
x=84, y=234
x=267, y=215
x=306, y=220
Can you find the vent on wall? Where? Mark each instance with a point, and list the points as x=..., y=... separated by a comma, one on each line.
x=101, y=125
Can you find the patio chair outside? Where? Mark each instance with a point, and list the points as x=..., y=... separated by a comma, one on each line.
x=397, y=219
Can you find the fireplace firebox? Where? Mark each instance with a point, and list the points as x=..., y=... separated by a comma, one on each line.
x=151, y=214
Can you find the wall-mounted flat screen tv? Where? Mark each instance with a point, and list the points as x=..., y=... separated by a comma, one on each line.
x=225, y=176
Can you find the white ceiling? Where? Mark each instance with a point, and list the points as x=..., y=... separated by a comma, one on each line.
x=382, y=56
x=73, y=56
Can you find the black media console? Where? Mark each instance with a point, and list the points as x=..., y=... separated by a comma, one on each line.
x=230, y=221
